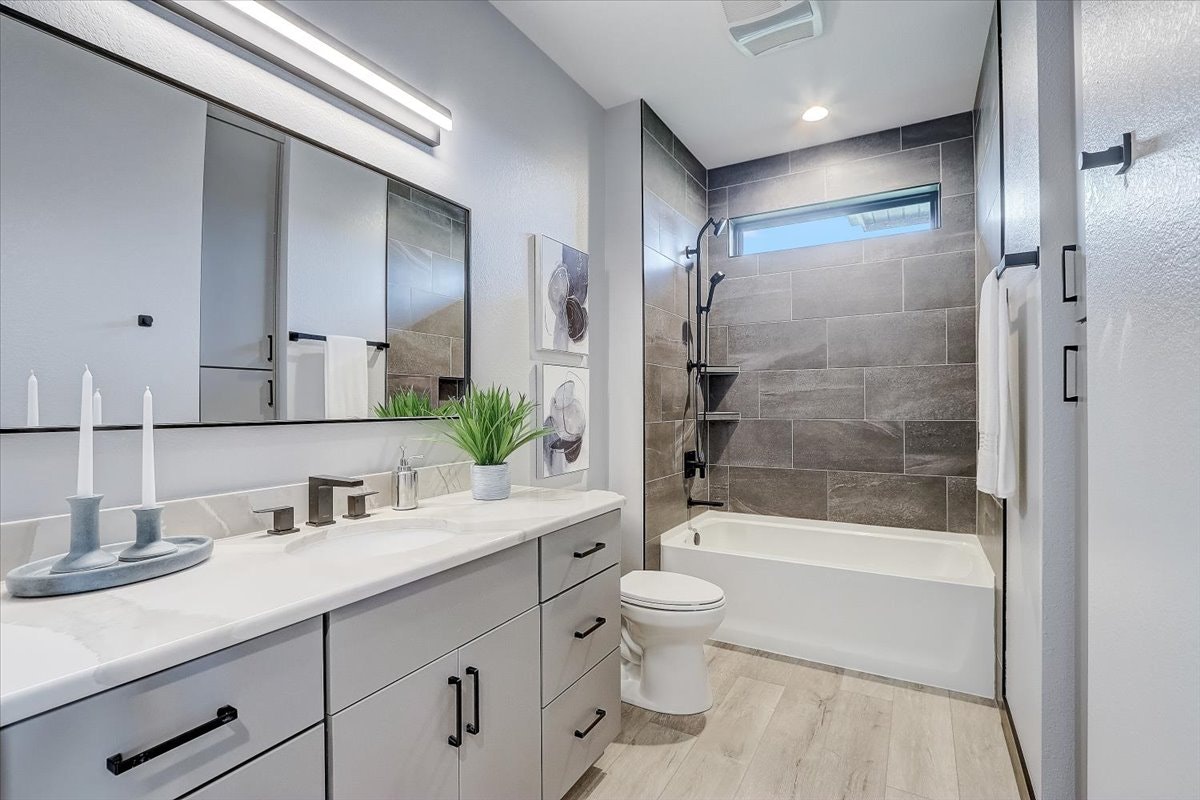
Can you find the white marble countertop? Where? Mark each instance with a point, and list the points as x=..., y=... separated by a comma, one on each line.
x=56, y=650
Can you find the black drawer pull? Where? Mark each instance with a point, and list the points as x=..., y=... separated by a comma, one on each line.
x=584, y=634
x=455, y=739
x=473, y=728
x=600, y=714
x=1069, y=398
x=596, y=549
x=117, y=764
x=1074, y=296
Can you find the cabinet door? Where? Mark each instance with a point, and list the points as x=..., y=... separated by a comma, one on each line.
x=236, y=395
x=503, y=758
x=394, y=743
x=293, y=771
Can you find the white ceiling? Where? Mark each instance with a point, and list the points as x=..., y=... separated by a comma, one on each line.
x=879, y=64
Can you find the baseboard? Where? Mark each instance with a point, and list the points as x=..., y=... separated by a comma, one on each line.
x=1024, y=786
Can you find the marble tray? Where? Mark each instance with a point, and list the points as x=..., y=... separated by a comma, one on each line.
x=35, y=579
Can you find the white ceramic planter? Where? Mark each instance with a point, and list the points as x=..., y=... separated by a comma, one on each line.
x=493, y=482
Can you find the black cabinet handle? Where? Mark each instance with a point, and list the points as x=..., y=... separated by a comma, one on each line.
x=596, y=549
x=270, y=347
x=270, y=393
x=600, y=714
x=455, y=739
x=586, y=633
x=117, y=764
x=1072, y=298
x=1069, y=398
x=473, y=728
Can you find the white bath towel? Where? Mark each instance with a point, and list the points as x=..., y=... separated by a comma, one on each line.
x=345, y=377
x=997, y=454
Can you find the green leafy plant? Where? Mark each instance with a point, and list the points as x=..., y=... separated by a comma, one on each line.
x=489, y=425
x=408, y=403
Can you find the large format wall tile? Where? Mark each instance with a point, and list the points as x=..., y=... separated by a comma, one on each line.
x=960, y=505
x=658, y=280
x=666, y=505
x=674, y=391
x=752, y=443
x=419, y=226
x=866, y=146
x=812, y=394
x=848, y=445
x=939, y=448
x=786, y=191
x=765, y=298
x=960, y=335
x=843, y=291
x=943, y=129
x=903, y=501
x=662, y=439
x=900, y=170
x=799, y=344
x=780, y=492
x=665, y=338
x=921, y=393
x=747, y=171
x=661, y=173
x=944, y=280
x=652, y=393
x=412, y=353
x=910, y=337
x=735, y=393
x=800, y=258
x=958, y=166
x=956, y=233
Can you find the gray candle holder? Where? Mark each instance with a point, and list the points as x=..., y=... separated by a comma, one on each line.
x=85, y=553
x=149, y=542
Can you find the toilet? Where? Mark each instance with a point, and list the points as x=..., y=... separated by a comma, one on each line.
x=665, y=619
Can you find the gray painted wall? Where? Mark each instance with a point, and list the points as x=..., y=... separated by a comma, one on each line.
x=857, y=390
x=526, y=156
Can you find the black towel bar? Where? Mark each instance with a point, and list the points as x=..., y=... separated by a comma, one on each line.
x=296, y=336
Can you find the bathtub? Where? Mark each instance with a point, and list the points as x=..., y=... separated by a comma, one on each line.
x=913, y=605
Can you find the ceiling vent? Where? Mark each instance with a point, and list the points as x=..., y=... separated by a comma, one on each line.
x=762, y=26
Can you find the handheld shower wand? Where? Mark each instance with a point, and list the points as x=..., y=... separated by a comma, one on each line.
x=694, y=460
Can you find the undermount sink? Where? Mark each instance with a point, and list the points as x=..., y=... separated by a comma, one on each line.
x=368, y=539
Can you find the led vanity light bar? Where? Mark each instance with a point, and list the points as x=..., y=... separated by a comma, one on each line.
x=271, y=31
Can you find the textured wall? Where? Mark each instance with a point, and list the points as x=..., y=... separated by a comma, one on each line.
x=673, y=209
x=857, y=390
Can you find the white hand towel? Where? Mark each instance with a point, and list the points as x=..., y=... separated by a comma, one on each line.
x=345, y=377
x=997, y=454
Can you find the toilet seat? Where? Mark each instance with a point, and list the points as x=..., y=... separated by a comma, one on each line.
x=669, y=591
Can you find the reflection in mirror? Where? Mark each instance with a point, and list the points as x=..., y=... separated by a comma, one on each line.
x=244, y=274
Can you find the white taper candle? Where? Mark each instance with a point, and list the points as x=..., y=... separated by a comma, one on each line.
x=31, y=401
x=83, y=486
x=97, y=414
x=148, y=490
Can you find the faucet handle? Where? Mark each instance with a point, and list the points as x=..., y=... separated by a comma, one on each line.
x=283, y=519
x=356, y=505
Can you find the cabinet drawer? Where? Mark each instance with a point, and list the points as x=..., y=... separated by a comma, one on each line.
x=574, y=554
x=566, y=656
x=295, y=770
x=274, y=682
x=377, y=641
x=566, y=755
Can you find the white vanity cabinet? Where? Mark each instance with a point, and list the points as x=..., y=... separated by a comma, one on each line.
x=497, y=679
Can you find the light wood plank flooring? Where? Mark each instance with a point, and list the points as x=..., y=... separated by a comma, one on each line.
x=781, y=728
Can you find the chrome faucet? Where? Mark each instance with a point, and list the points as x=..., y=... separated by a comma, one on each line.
x=320, y=497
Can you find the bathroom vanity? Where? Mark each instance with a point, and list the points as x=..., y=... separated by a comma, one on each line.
x=463, y=650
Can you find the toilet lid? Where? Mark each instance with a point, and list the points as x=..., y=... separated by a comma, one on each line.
x=654, y=589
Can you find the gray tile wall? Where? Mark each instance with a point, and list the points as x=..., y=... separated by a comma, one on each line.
x=674, y=206
x=426, y=290
x=857, y=389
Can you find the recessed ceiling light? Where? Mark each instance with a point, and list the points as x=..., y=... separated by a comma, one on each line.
x=815, y=114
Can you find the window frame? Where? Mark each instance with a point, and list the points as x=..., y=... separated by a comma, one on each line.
x=878, y=201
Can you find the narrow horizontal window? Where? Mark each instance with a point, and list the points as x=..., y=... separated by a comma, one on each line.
x=885, y=214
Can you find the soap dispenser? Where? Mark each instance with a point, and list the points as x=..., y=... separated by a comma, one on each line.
x=404, y=483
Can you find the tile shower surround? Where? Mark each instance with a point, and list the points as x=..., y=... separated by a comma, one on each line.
x=857, y=390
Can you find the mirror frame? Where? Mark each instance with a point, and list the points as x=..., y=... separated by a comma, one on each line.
x=90, y=47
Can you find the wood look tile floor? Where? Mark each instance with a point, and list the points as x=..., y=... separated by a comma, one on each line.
x=786, y=729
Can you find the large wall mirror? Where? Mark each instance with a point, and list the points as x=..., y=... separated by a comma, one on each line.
x=243, y=273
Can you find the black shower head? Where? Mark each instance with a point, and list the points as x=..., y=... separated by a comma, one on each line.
x=719, y=226
x=716, y=278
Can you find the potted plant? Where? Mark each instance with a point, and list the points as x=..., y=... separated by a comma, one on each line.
x=405, y=403
x=489, y=426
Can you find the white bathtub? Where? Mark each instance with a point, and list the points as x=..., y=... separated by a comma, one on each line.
x=913, y=605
